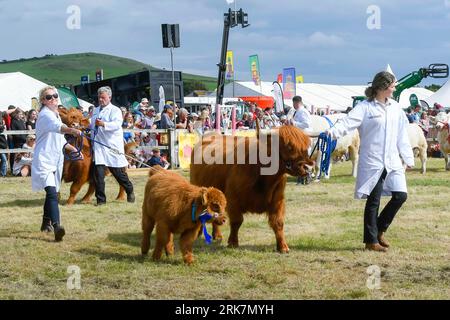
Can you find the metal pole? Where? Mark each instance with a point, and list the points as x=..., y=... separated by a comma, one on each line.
x=173, y=77
x=234, y=79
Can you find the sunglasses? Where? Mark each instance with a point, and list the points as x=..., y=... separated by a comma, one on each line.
x=50, y=96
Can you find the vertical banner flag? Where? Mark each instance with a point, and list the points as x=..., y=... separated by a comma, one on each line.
x=280, y=78
x=254, y=69
x=289, y=83
x=229, y=75
x=99, y=75
x=85, y=79
x=299, y=79
x=162, y=99
x=278, y=96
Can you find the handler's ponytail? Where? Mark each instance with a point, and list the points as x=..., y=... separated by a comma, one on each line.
x=381, y=81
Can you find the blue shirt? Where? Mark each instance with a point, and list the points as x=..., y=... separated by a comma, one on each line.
x=154, y=161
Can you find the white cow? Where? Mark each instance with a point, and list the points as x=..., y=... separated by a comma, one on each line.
x=442, y=125
x=346, y=144
x=418, y=143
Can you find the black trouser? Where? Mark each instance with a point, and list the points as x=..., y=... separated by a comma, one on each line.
x=99, y=178
x=51, y=209
x=374, y=224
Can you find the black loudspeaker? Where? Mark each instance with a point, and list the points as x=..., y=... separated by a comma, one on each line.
x=175, y=28
x=166, y=37
x=170, y=35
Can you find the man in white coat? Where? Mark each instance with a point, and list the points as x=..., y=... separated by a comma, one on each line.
x=106, y=125
x=301, y=118
x=382, y=125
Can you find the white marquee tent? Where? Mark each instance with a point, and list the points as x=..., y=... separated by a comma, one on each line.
x=442, y=96
x=338, y=97
x=17, y=89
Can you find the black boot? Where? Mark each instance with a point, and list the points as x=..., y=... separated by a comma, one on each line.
x=59, y=232
x=131, y=198
x=46, y=225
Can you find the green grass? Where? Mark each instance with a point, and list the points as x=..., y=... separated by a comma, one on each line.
x=67, y=69
x=323, y=229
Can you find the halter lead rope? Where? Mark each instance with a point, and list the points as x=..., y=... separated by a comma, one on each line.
x=204, y=217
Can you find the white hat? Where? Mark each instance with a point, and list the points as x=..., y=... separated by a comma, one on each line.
x=144, y=100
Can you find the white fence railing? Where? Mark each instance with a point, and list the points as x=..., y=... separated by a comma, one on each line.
x=168, y=142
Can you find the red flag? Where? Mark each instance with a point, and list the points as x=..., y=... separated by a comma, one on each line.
x=280, y=78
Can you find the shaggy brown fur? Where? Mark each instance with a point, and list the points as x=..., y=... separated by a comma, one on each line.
x=245, y=188
x=168, y=203
x=80, y=172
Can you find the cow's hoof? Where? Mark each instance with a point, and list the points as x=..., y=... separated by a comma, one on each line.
x=217, y=236
x=233, y=244
x=283, y=249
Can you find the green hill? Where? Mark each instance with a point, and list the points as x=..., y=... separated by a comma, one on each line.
x=67, y=69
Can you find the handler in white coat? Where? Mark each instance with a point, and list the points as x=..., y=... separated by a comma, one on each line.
x=47, y=165
x=106, y=125
x=301, y=117
x=302, y=120
x=382, y=124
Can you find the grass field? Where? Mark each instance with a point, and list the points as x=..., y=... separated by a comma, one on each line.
x=323, y=228
x=67, y=69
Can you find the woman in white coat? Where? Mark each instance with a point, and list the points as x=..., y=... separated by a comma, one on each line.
x=48, y=158
x=382, y=124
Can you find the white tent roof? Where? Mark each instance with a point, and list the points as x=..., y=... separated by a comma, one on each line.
x=421, y=93
x=389, y=69
x=442, y=96
x=338, y=97
x=17, y=89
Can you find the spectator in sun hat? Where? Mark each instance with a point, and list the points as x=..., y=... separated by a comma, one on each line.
x=194, y=116
x=166, y=118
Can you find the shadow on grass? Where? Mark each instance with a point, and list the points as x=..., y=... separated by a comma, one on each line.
x=31, y=236
x=299, y=247
x=308, y=244
x=137, y=258
x=130, y=238
x=23, y=203
x=134, y=239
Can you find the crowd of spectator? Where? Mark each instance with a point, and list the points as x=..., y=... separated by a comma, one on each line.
x=144, y=116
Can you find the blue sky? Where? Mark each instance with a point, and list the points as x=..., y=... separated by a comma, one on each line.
x=326, y=41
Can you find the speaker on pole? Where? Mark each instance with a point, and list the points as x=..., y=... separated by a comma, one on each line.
x=175, y=30
x=170, y=35
x=166, y=35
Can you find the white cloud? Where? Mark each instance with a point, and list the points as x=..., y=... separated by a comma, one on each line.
x=319, y=39
x=203, y=25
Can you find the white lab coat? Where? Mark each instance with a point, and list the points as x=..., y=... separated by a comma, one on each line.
x=111, y=135
x=302, y=118
x=48, y=159
x=384, y=139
